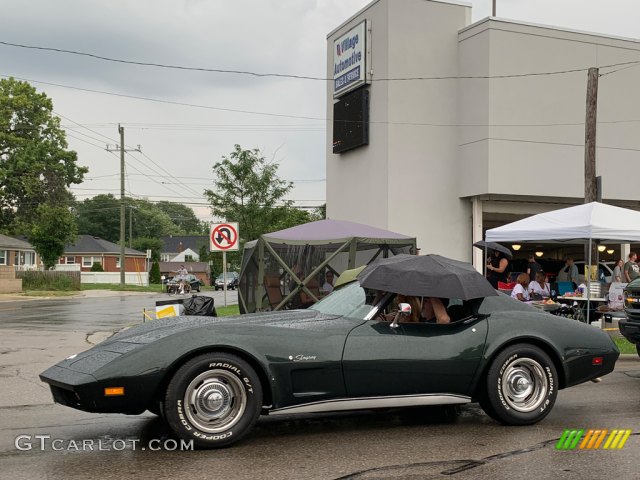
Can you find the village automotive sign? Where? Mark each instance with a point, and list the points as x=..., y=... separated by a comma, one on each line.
x=224, y=237
x=349, y=59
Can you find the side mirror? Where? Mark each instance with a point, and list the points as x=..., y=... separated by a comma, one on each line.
x=404, y=309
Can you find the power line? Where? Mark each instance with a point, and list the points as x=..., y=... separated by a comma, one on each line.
x=294, y=76
x=299, y=117
x=169, y=102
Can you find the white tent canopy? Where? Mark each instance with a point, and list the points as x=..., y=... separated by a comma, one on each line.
x=581, y=224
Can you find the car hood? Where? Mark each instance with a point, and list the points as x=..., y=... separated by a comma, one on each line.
x=307, y=320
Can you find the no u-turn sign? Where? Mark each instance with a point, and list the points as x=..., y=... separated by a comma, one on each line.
x=223, y=237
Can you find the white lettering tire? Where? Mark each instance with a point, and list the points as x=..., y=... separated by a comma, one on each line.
x=214, y=399
x=521, y=386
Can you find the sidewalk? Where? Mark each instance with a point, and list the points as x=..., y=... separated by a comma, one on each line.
x=13, y=297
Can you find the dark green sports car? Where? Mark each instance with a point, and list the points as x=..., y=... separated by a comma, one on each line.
x=211, y=378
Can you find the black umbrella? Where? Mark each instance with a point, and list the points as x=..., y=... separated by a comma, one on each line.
x=494, y=246
x=427, y=276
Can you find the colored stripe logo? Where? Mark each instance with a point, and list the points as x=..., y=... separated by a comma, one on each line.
x=593, y=439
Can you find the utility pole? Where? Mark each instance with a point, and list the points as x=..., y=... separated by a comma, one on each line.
x=493, y=10
x=590, y=182
x=122, y=201
x=130, y=226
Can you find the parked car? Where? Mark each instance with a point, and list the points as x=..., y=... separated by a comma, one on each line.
x=605, y=270
x=630, y=326
x=233, y=279
x=211, y=378
x=194, y=282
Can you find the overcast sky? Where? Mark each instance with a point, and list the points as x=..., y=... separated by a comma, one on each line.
x=182, y=143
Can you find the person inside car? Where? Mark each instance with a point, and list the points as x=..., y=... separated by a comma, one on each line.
x=414, y=302
x=434, y=310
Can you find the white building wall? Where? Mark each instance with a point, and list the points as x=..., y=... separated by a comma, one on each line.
x=543, y=157
x=357, y=188
x=517, y=144
x=406, y=180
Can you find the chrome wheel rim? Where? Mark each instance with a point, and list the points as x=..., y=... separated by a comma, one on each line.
x=215, y=401
x=524, y=385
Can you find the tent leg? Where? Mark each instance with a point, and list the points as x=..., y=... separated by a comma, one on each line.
x=589, y=284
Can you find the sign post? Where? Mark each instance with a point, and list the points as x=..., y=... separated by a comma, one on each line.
x=223, y=238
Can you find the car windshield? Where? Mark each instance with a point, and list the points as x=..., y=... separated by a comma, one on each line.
x=348, y=301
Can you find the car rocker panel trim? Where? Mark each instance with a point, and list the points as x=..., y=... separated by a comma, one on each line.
x=374, y=402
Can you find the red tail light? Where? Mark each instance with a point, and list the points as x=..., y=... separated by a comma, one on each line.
x=597, y=361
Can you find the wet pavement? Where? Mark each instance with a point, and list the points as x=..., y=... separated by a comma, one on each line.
x=396, y=444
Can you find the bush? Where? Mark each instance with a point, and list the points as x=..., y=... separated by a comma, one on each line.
x=49, y=280
x=154, y=274
x=97, y=267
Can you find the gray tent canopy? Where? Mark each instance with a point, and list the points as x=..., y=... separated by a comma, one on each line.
x=281, y=267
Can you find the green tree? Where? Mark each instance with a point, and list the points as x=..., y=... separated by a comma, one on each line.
x=99, y=216
x=182, y=217
x=35, y=165
x=53, y=228
x=247, y=190
x=143, y=244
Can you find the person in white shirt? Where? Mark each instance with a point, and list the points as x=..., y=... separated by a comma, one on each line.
x=520, y=291
x=540, y=286
x=327, y=288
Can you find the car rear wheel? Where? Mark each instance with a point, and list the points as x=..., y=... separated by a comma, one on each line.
x=521, y=386
x=638, y=348
x=214, y=400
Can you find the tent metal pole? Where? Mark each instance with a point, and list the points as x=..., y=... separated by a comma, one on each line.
x=589, y=283
x=261, y=289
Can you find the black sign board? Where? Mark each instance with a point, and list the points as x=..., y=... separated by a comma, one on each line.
x=351, y=121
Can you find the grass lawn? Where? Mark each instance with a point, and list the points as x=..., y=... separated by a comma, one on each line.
x=121, y=288
x=49, y=293
x=624, y=345
x=228, y=311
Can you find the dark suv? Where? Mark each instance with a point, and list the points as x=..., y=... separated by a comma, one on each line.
x=630, y=326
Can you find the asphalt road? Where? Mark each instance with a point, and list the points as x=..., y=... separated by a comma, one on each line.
x=367, y=445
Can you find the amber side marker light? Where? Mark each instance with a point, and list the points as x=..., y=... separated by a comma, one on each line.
x=113, y=391
x=594, y=361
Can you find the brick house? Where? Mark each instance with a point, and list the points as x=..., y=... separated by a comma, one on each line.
x=88, y=250
x=17, y=253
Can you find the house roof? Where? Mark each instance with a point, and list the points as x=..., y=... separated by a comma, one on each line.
x=88, y=244
x=178, y=243
x=11, y=242
x=192, y=267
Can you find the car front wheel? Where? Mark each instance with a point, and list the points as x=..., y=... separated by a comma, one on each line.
x=214, y=400
x=638, y=348
x=521, y=386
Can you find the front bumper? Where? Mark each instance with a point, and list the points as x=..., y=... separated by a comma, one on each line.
x=83, y=392
x=630, y=329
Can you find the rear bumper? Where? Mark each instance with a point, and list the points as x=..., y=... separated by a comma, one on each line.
x=581, y=368
x=83, y=392
x=630, y=329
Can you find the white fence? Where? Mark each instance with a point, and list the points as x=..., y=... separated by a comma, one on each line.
x=130, y=278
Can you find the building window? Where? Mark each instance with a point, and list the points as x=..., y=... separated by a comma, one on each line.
x=188, y=258
x=118, y=262
x=3, y=257
x=30, y=258
x=70, y=260
x=89, y=261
